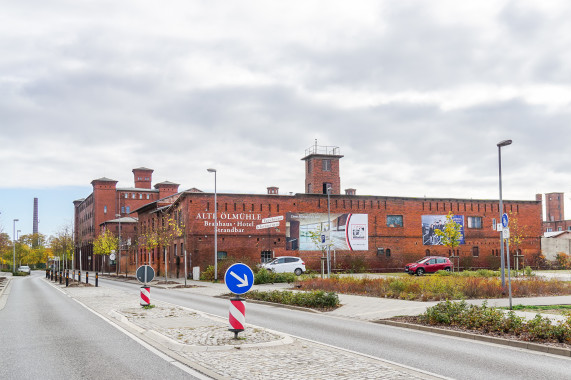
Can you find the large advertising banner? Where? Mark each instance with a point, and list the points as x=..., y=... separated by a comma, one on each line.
x=348, y=232
x=437, y=222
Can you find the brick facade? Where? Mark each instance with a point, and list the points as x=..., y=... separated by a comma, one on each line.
x=389, y=247
x=108, y=202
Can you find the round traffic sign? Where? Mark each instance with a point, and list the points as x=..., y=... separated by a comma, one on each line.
x=239, y=278
x=505, y=220
x=145, y=273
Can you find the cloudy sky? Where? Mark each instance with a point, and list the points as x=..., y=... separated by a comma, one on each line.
x=416, y=94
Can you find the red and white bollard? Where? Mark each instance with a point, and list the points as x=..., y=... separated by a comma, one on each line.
x=237, y=315
x=145, y=295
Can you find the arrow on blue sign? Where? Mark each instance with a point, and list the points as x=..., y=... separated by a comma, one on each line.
x=239, y=278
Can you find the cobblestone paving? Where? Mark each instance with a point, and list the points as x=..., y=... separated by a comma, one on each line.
x=192, y=328
x=299, y=359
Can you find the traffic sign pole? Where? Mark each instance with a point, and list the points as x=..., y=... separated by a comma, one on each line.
x=239, y=279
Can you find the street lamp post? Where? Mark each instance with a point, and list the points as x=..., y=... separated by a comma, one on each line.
x=14, y=257
x=502, y=260
x=329, y=233
x=215, y=228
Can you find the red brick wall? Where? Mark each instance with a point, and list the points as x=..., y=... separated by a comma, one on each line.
x=241, y=239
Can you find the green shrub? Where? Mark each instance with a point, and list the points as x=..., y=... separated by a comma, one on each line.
x=528, y=271
x=315, y=299
x=488, y=319
x=264, y=276
x=208, y=274
x=444, y=273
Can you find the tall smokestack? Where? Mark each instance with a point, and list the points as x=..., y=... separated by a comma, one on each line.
x=35, y=227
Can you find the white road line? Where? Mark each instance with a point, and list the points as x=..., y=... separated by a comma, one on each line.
x=152, y=349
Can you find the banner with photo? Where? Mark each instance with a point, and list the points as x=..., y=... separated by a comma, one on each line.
x=349, y=232
x=437, y=222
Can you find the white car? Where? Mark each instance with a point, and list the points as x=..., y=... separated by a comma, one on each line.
x=286, y=264
x=24, y=268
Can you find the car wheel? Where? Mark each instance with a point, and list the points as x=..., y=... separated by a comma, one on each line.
x=298, y=272
x=447, y=269
x=419, y=272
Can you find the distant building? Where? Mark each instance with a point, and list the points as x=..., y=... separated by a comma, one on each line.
x=378, y=232
x=554, y=213
x=553, y=243
x=108, y=202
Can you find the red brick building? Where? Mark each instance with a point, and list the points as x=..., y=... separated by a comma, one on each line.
x=108, y=203
x=374, y=232
x=555, y=213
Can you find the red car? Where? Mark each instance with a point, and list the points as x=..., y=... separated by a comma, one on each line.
x=429, y=264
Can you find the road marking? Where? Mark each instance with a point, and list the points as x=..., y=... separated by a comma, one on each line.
x=146, y=345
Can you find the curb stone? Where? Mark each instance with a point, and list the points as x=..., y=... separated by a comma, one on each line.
x=489, y=339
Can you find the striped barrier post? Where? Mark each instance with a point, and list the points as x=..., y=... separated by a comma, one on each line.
x=145, y=295
x=60, y=277
x=73, y=278
x=87, y=277
x=237, y=315
x=51, y=274
x=67, y=278
x=96, y=279
x=79, y=277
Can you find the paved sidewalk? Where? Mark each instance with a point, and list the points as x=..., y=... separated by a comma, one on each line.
x=203, y=342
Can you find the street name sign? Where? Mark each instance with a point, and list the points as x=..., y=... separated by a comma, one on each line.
x=239, y=278
x=273, y=219
x=145, y=273
x=267, y=225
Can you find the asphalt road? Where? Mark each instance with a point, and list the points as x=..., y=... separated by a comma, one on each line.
x=44, y=334
x=446, y=356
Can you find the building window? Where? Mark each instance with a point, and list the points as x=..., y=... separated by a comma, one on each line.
x=309, y=167
x=222, y=255
x=141, y=196
x=326, y=165
x=126, y=195
x=394, y=221
x=549, y=229
x=105, y=209
x=569, y=228
x=474, y=222
x=266, y=256
x=122, y=209
x=128, y=209
x=559, y=228
x=147, y=196
x=475, y=251
x=309, y=188
x=133, y=196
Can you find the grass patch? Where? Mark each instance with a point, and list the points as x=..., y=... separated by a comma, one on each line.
x=547, y=309
x=437, y=288
x=147, y=307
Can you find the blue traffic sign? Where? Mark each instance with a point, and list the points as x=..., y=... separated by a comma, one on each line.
x=505, y=220
x=239, y=278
